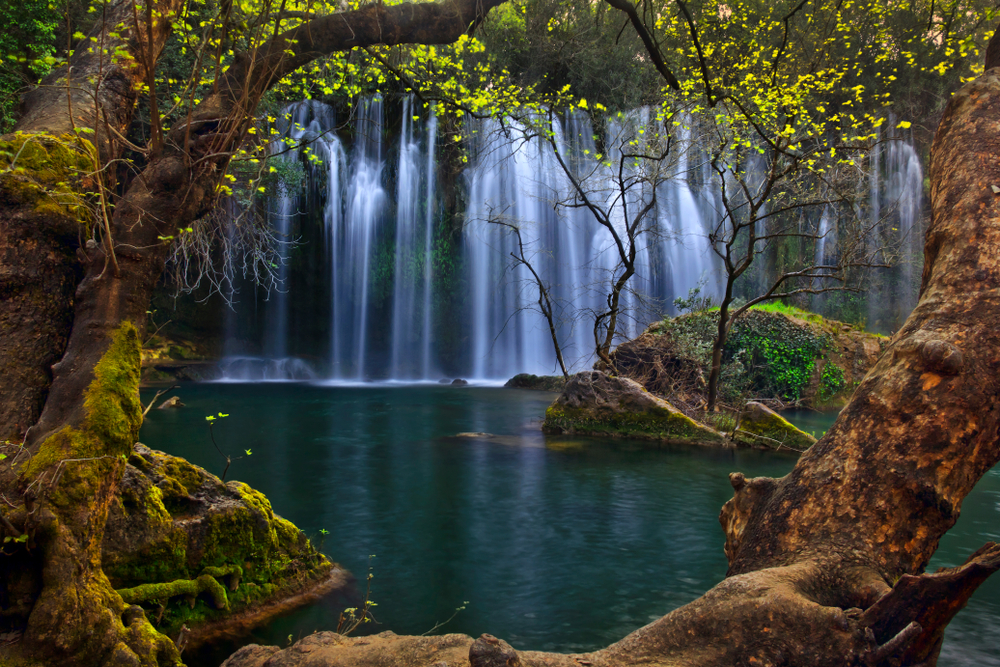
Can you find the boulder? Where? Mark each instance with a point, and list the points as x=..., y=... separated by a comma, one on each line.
x=193, y=550
x=172, y=402
x=539, y=382
x=594, y=403
x=760, y=426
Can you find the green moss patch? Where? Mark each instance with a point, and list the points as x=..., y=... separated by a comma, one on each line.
x=193, y=550
x=48, y=172
x=760, y=426
x=112, y=411
x=596, y=404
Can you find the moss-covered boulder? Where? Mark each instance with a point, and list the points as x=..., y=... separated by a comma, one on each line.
x=760, y=426
x=539, y=382
x=193, y=550
x=775, y=352
x=594, y=403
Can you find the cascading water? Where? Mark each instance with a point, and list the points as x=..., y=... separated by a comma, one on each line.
x=408, y=323
x=385, y=235
x=904, y=191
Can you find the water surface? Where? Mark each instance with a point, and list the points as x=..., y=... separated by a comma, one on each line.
x=563, y=544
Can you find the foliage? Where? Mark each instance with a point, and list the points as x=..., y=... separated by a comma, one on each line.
x=694, y=302
x=27, y=51
x=779, y=355
x=831, y=381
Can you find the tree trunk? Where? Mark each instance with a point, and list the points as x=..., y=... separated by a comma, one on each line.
x=88, y=99
x=826, y=563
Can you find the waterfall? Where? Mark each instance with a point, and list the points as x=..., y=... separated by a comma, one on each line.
x=404, y=351
x=394, y=269
x=904, y=191
x=429, y=211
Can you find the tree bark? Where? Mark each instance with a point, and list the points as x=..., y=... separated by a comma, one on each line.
x=91, y=97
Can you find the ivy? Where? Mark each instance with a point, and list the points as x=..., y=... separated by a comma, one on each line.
x=777, y=356
x=831, y=382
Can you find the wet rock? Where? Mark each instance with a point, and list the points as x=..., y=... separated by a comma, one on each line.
x=761, y=426
x=172, y=402
x=594, y=403
x=173, y=524
x=539, y=382
x=459, y=382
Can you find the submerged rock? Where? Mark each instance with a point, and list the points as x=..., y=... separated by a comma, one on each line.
x=594, y=403
x=760, y=426
x=172, y=402
x=193, y=550
x=540, y=382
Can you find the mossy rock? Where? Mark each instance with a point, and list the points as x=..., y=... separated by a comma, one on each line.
x=762, y=427
x=50, y=173
x=539, y=382
x=179, y=536
x=784, y=354
x=594, y=403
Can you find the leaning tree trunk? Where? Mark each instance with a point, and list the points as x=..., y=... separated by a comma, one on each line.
x=826, y=563
x=82, y=106
x=68, y=472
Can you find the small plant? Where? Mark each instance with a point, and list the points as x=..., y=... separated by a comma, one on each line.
x=353, y=617
x=211, y=419
x=694, y=302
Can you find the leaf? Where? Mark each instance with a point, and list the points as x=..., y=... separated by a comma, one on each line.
x=210, y=418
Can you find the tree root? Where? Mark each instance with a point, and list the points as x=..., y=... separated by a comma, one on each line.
x=192, y=588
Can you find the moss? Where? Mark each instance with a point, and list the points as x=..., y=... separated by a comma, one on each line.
x=654, y=424
x=48, y=172
x=205, y=583
x=759, y=421
x=112, y=411
x=226, y=531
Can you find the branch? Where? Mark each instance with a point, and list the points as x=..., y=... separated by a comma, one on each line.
x=647, y=40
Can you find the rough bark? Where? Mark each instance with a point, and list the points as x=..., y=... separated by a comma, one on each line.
x=826, y=564
x=93, y=96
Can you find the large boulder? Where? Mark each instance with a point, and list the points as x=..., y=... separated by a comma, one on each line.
x=594, y=403
x=195, y=551
x=786, y=355
x=760, y=426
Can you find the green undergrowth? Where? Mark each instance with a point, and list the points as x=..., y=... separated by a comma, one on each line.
x=773, y=351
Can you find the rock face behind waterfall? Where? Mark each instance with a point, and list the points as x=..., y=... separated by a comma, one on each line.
x=594, y=403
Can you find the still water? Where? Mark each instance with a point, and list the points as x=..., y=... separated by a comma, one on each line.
x=553, y=543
